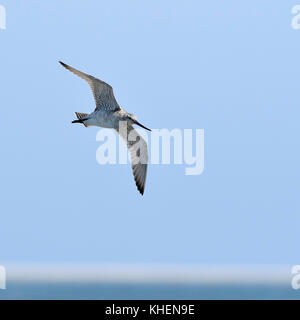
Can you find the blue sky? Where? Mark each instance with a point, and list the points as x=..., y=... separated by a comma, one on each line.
x=229, y=67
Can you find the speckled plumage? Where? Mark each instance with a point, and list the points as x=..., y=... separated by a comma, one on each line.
x=108, y=114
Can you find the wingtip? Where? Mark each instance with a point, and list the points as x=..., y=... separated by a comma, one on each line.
x=63, y=64
x=140, y=188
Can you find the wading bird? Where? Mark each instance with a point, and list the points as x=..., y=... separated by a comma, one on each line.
x=108, y=114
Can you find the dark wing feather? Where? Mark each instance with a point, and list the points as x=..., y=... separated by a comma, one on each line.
x=103, y=92
x=138, y=154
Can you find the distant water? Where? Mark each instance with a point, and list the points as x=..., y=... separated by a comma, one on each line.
x=41, y=290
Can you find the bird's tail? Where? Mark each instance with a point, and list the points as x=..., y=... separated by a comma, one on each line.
x=81, y=117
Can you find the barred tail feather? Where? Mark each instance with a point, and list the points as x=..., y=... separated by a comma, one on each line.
x=81, y=117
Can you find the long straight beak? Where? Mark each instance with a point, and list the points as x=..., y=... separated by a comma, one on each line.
x=139, y=124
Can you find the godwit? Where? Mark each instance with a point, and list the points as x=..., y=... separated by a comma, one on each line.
x=108, y=114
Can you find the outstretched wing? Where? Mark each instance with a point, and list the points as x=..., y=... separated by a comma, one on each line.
x=103, y=92
x=138, y=153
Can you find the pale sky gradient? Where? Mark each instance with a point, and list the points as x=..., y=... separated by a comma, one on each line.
x=229, y=67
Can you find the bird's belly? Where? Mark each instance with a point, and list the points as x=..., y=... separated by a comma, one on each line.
x=105, y=124
x=105, y=120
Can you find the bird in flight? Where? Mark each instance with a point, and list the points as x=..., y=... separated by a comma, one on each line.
x=108, y=114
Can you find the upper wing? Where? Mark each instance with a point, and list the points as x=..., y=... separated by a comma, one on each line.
x=139, y=156
x=103, y=92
